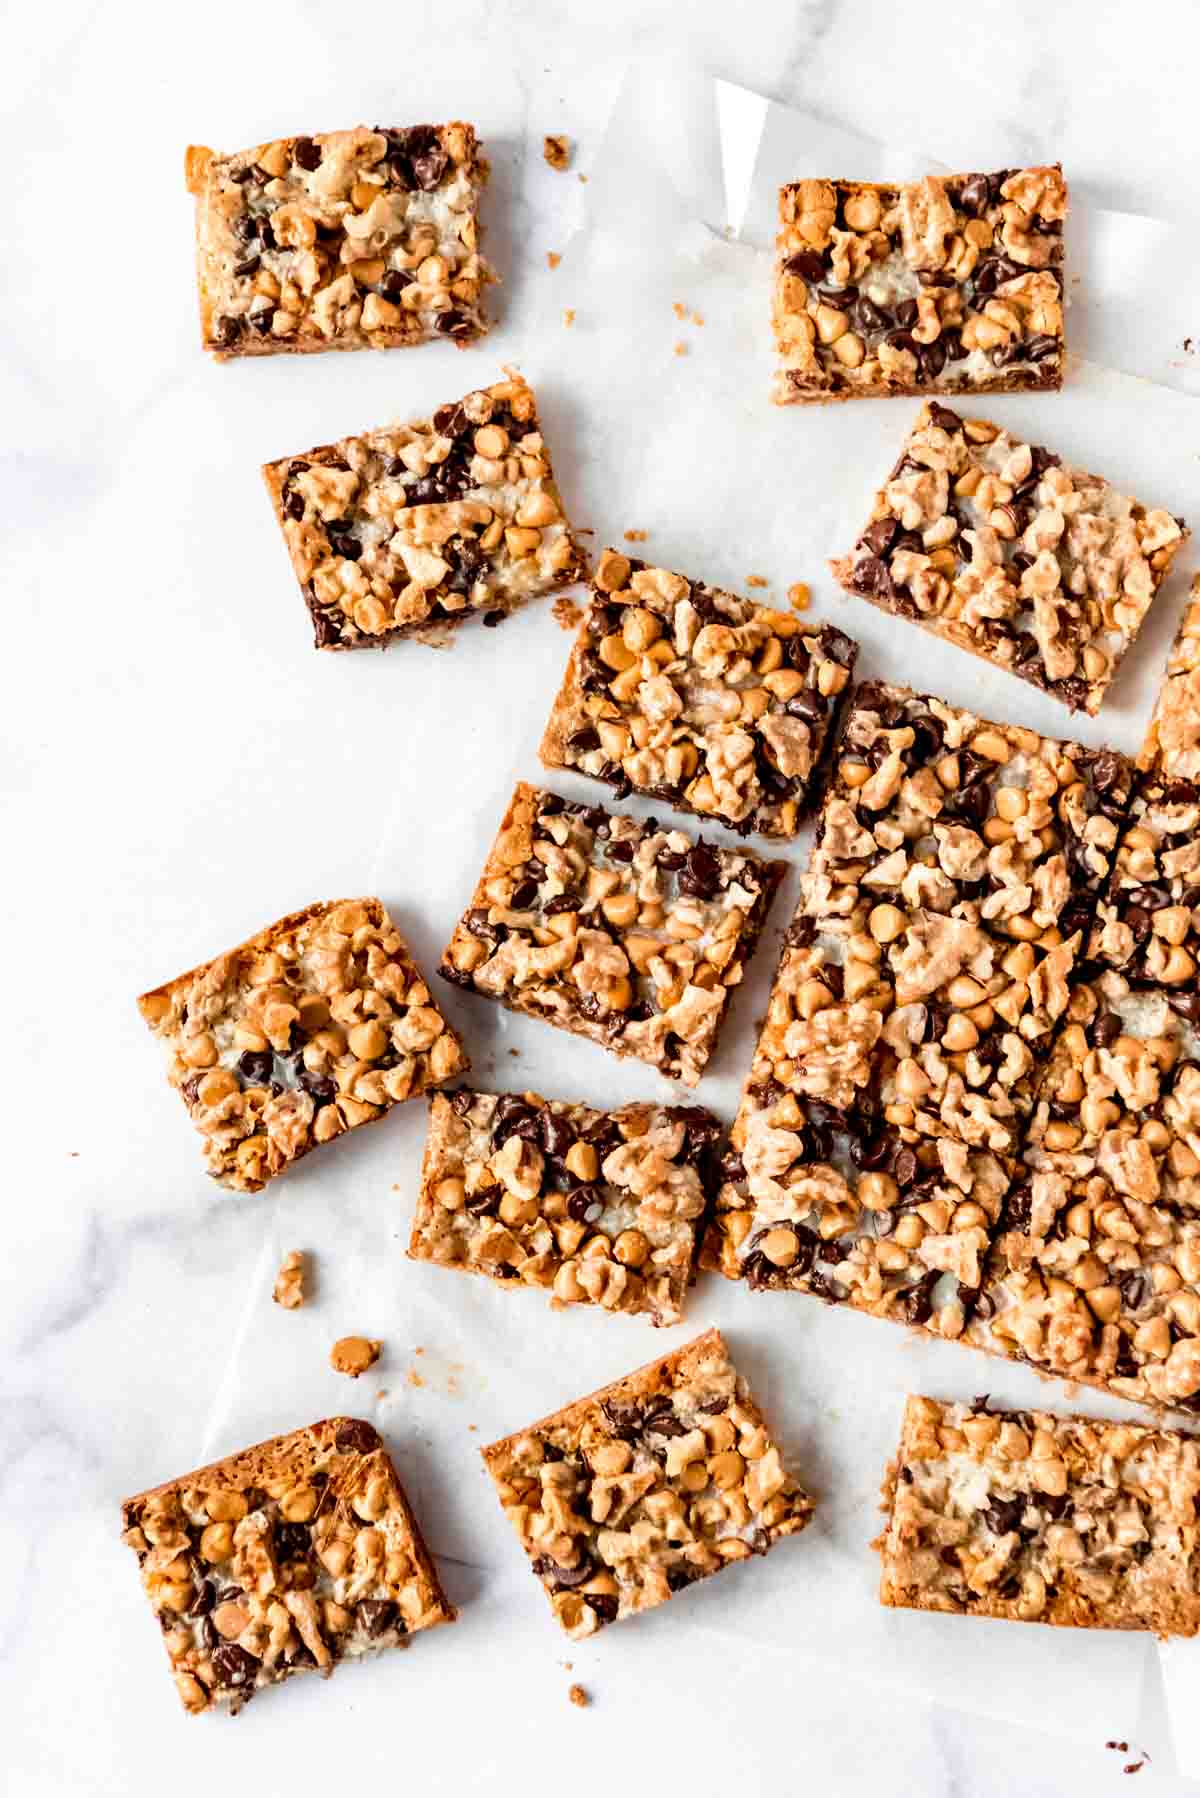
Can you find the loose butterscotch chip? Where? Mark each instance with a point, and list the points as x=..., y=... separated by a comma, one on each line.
x=352, y=1355
x=557, y=152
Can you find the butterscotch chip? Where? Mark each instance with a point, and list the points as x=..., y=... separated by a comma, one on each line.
x=946, y=285
x=557, y=152
x=698, y=697
x=594, y=1207
x=1038, y=1518
x=627, y=933
x=614, y=1499
x=290, y=1281
x=287, y=1558
x=1003, y=549
x=352, y=1355
x=258, y=1042
x=351, y=240
x=578, y=1696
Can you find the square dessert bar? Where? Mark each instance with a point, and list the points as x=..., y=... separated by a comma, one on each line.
x=623, y=932
x=289, y=1557
x=957, y=866
x=1172, y=746
x=951, y=284
x=714, y=704
x=623, y=1498
x=825, y=1196
x=318, y=1024
x=596, y=1207
x=411, y=529
x=1042, y=1519
x=1007, y=552
x=355, y=240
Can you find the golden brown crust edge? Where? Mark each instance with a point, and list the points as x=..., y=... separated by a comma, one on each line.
x=647, y=1379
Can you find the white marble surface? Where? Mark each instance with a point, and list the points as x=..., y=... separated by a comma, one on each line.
x=177, y=767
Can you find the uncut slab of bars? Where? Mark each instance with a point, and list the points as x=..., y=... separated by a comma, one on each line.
x=291, y=1557
x=595, y=1207
x=946, y=285
x=628, y=933
x=409, y=530
x=1037, y=1518
x=1004, y=550
x=624, y=1498
x=948, y=902
x=317, y=1025
x=345, y=241
x=693, y=696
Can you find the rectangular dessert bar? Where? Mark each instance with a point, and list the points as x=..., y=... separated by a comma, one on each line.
x=950, y=284
x=1095, y=1274
x=411, y=529
x=838, y=1202
x=290, y=1557
x=1005, y=551
x=1172, y=746
x=318, y=1024
x=714, y=704
x=596, y=1207
x=1042, y=1519
x=957, y=866
x=353, y=240
x=1148, y=923
x=623, y=932
x=623, y=1498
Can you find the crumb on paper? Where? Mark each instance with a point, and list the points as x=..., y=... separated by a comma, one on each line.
x=414, y=1378
x=552, y=258
x=557, y=151
x=679, y=309
x=757, y=580
x=681, y=349
x=472, y=1427
x=290, y=1289
x=1188, y=347
x=569, y=316
x=578, y=1696
x=1121, y=1747
x=566, y=615
x=799, y=594
x=515, y=1053
x=583, y=178
x=697, y=318
x=382, y=1393
x=636, y=536
x=352, y=1355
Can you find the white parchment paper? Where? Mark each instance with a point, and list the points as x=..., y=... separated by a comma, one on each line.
x=661, y=423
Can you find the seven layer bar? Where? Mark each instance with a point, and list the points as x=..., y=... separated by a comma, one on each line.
x=949, y=899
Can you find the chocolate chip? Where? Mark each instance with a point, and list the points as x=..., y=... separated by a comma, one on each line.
x=292, y=1541
x=449, y=421
x=454, y=324
x=700, y=875
x=247, y=266
x=319, y=1086
x=585, y=1204
x=1004, y=1515
x=204, y=1600
x=227, y=330
x=807, y=264
x=878, y=536
x=564, y=1579
x=944, y=418
x=376, y=1615
x=426, y=158
x=605, y=1605
x=870, y=576
x=262, y=319
x=869, y=318
x=353, y=1434
x=557, y=1134
x=256, y=1066
x=842, y=299
x=325, y=630
x=974, y=195
x=1185, y=1005
x=906, y=314
x=293, y=505
x=233, y=1666
x=307, y=154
